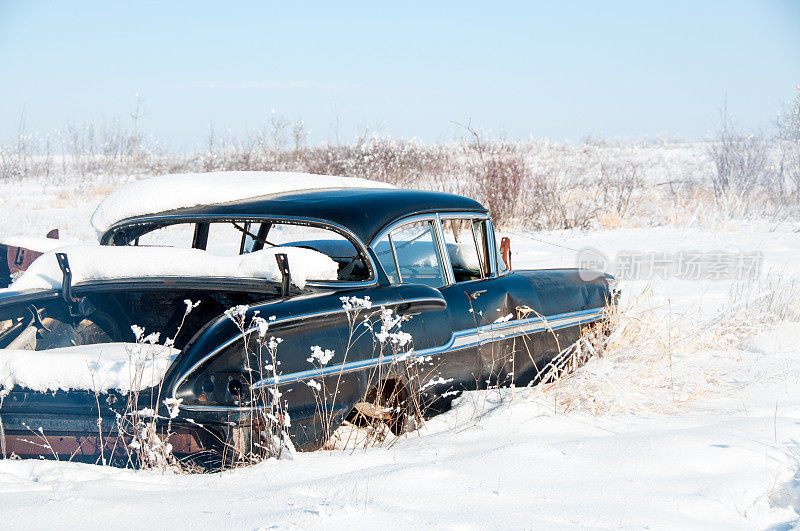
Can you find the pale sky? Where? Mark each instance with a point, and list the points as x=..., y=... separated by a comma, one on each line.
x=560, y=70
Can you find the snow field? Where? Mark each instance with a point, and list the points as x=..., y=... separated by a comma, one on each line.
x=690, y=420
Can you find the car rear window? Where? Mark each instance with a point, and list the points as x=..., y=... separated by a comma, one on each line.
x=234, y=237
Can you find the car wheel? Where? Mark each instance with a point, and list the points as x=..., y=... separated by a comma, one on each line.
x=387, y=403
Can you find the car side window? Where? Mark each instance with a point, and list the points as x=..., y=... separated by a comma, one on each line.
x=177, y=235
x=385, y=255
x=411, y=248
x=465, y=242
x=224, y=239
x=417, y=255
x=481, y=229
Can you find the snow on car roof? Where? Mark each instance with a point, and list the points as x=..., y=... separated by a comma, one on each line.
x=93, y=262
x=170, y=192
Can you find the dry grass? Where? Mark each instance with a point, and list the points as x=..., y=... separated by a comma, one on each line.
x=659, y=361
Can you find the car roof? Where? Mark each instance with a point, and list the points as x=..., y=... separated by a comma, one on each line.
x=162, y=193
x=363, y=211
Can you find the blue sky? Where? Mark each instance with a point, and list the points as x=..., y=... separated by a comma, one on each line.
x=560, y=70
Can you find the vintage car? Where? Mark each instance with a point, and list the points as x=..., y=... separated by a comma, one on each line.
x=317, y=299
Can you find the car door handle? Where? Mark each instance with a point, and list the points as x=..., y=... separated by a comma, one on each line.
x=475, y=294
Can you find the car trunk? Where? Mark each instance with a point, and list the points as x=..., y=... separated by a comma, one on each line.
x=67, y=422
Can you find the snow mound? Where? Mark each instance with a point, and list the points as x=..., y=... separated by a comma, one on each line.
x=169, y=192
x=93, y=262
x=41, y=245
x=121, y=366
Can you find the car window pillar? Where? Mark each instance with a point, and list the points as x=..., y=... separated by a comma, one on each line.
x=394, y=257
x=444, y=256
x=200, y=238
x=492, y=248
x=478, y=248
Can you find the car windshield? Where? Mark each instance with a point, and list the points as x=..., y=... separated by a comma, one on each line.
x=236, y=237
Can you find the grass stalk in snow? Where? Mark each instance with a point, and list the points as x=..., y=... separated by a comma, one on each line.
x=263, y=431
x=138, y=429
x=2, y=430
x=391, y=404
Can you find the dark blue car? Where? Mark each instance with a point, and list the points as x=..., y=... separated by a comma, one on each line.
x=421, y=304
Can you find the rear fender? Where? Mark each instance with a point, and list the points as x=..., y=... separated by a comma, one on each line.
x=220, y=372
x=566, y=290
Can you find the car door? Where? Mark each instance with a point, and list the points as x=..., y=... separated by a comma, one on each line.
x=466, y=239
x=514, y=346
x=445, y=339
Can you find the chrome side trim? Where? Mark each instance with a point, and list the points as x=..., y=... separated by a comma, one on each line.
x=458, y=340
x=305, y=316
x=341, y=284
x=224, y=409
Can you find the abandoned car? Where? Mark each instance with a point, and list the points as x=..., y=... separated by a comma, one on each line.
x=220, y=302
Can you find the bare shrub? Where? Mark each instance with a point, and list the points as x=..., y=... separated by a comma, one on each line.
x=500, y=184
x=741, y=161
x=139, y=429
x=789, y=145
x=391, y=403
x=531, y=184
x=620, y=183
x=325, y=160
x=556, y=199
x=263, y=431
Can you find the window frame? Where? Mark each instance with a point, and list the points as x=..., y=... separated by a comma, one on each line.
x=495, y=253
x=172, y=219
x=436, y=236
x=438, y=233
x=487, y=269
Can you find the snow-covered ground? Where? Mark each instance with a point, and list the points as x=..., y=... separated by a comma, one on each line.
x=706, y=437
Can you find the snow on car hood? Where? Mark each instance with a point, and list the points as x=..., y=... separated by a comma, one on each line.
x=169, y=192
x=92, y=262
x=100, y=368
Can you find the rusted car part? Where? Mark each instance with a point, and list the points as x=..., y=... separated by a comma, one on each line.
x=14, y=259
x=69, y=445
x=505, y=251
